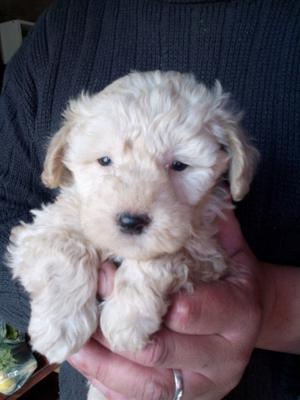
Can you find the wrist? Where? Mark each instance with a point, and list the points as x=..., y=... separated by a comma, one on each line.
x=267, y=285
x=280, y=327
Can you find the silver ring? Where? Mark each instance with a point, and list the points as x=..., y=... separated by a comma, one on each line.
x=179, y=386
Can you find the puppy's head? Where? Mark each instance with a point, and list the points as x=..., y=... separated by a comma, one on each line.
x=143, y=154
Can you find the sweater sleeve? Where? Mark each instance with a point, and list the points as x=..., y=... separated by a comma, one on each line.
x=20, y=168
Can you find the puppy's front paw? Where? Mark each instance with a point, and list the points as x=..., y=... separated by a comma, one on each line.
x=127, y=329
x=58, y=338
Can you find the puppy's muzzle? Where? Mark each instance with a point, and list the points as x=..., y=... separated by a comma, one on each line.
x=133, y=224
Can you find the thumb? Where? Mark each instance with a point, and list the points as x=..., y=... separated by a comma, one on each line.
x=243, y=262
x=230, y=235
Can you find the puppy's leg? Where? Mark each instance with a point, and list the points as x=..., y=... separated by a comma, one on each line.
x=59, y=271
x=139, y=301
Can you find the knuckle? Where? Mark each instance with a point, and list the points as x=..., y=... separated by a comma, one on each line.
x=101, y=372
x=156, y=390
x=184, y=311
x=158, y=353
x=78, y=362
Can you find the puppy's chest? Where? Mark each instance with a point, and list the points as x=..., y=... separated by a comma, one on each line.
x=183, y=257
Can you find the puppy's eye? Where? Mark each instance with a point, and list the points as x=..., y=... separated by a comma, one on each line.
x=178, y=166
x=104, y=161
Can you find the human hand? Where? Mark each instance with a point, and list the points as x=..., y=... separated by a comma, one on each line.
x=209, y=335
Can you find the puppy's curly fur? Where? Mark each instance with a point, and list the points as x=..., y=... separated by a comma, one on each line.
x=152, y=146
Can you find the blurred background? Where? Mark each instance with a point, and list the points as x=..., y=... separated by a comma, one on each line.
x=16, y=19
x=22, y=9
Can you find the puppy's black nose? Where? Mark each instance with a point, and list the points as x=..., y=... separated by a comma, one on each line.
x=133, y=223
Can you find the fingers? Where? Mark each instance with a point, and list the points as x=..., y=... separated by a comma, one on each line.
x=230, y=235
x=218, y=307
x=199, y=391
x=232, y=240
x=106, y=279
x=205, y=311
x=172, y=350
x=121, y=375
x=121, y=379
x=211, y=365
x=108, y=393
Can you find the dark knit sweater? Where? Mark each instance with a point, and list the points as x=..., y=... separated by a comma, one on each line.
x=251, y=46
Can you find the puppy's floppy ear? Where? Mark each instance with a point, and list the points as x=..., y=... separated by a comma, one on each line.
x=55, y=172
x=243, y=160
x=243, y=157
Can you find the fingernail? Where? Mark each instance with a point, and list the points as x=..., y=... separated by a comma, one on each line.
x=75, y=359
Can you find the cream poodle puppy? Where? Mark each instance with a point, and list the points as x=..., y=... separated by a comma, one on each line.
x=141, y=168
